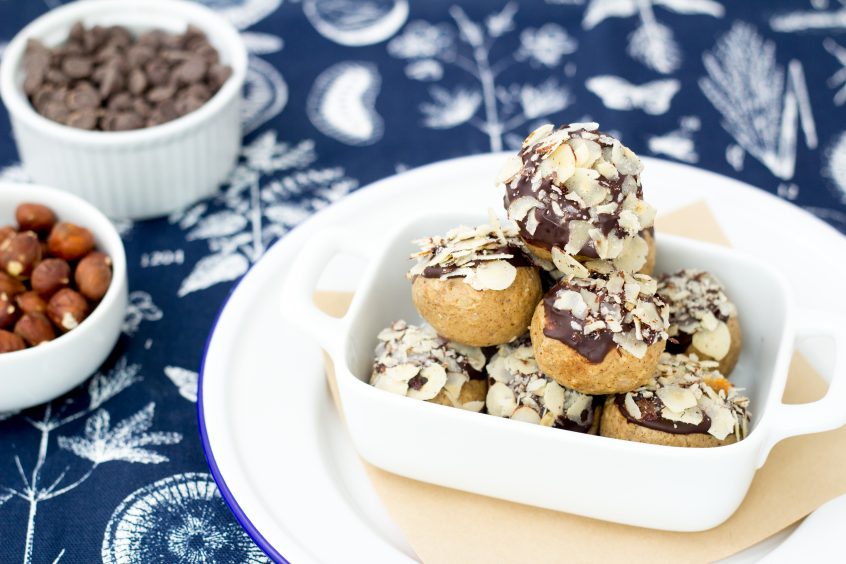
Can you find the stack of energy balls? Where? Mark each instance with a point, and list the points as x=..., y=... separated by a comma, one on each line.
x=554, y=317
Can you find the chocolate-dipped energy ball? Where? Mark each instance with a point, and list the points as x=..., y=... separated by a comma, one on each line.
x=517, y=389
x=687, y=403
x=476, y=286
x=702, y=318
x=600, y=334
x=414, y=361
x=578, y=189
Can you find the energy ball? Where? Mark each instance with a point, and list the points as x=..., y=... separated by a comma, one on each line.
x=703, y=321
x=414, y=361
x=578, y=190
x=687, y=403
x=600, y=334
x=517, y=389
x=476, y=286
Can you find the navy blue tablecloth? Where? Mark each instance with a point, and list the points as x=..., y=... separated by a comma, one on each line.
x=341, y=93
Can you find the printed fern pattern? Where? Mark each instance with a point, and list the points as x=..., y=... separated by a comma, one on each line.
x=340, y=94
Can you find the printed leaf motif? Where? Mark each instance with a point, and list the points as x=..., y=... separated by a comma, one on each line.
x=124, y=442
x=599, y=10
x=706, y=7
x=421, y=40
x=185, y=380
x=104, y=387
x=499, y=24
x=547, y=98
x=654, y=46
x=7, y=414
x=449, y=109
x=838, y=79
x=212, y=270
x=747, y=86
x=425, y=70
x=219, y=224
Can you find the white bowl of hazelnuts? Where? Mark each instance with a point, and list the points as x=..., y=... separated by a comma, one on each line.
x=63, y=293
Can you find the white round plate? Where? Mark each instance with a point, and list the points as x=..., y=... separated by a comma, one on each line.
x=273, y=440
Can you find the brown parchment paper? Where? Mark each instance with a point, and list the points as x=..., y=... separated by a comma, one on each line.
x=446, y=525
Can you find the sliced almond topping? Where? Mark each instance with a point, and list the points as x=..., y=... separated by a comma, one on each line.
x=493, y=275
x=716, y=343
x=510, y=169
x=631, y=406
x=500, y=400
x=676, y=398
x=526, y=414
x=553, y=398
x=579, y=235
x=435, y=376
x=522, y=206
x=569, y=267
x=564, y=162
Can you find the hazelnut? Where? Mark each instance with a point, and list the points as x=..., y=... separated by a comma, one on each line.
x=10, y=285
x=31, y=302
x=50, y=276
x=9, y=342
x=20, y=253
x=9, y=312
x=67, y=309
x=35, y=217
x=6, y=231
x=35, y=328
x=70, y=241
x=93, y=275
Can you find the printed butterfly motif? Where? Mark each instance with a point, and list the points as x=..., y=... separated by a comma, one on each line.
x=618, y=94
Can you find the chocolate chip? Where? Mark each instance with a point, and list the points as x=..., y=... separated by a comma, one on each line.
x=137, y=81
x=85, y=118
x=120, y=101
x=138, y=55
x=160, y=93
x=83, y=95
x=191, y=71
x=218, y=74
x=77, y=67
x=111, y=82
x=125, y=121
x=158, y=71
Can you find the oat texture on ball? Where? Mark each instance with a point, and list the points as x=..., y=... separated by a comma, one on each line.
x=687, y=403
x=476, y=286
x=519, y=390
x=703, y=321
x=414, y=361
x=578, y=190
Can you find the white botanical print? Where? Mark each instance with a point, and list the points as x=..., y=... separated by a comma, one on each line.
x=356, y=22
x=679, y=143
x=804, y=20
x=128, y=440
x=838, y=79
x=182, y=518
x=272, y=189
x=493, y=108
x=342, y=103
x=619, y=94
x=761, y=108
x=185, y=380
x=652, y=43
x=835, y=166
x=243, y=13
x=140, y=308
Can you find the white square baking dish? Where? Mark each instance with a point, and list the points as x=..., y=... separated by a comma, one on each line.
x=638, y=484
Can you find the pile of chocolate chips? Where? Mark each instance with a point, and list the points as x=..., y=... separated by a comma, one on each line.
x=105, y=79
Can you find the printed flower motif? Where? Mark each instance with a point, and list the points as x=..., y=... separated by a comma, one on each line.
x=547, y=98
x=545, y=46
x=421, y=40
x=182, y=518
x=450, y=108
x=124, y=442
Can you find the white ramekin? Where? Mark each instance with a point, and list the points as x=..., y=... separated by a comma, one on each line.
x=655, y=486
x=41, y=373
x=131, y=174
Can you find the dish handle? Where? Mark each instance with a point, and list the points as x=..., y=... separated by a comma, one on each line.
x=297, y=298
x=822, y=415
